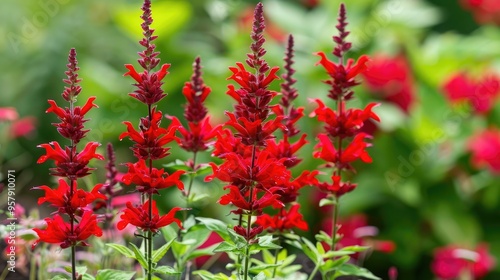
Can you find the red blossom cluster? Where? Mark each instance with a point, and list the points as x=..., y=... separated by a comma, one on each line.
x=71, y=163
x=18, y=126
x=452, y=262
x=391, y=79
x=149, y=139
x=481, y=94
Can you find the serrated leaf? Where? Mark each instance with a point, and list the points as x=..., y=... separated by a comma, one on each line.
x=122, y=250
x=160, y=252
x=139, y=256
x=111, y=274
x=166, y=270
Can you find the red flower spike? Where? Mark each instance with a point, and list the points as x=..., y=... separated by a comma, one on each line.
x=236, y=198
x=351, y=70
x=150, y=182
x=138, y=216
x=284, y=220
x=69, y=94
x=64, y=201
x=59, y=232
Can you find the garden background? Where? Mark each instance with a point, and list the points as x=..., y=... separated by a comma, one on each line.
x=424, y=189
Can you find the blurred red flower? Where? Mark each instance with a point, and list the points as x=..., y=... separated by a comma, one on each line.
x=8, y=114
x=451, y=261
x=391, y=79
x=59, y=232
x=485, y=149
x=138, y=216
x=485, y=11
x=480, y=93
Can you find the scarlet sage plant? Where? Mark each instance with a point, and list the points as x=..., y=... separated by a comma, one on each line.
x=149, y=145
x=73, y=222
x=341, y=144
x=253, y=175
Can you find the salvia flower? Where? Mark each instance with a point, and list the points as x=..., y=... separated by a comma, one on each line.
x=138, y=216
x=69, y=201
x=284, y=221
x=150, y=180
x=60, y=232
x=484, y=11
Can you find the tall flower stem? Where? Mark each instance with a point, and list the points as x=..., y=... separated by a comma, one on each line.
x=249, y=218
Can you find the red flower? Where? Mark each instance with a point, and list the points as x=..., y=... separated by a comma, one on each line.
x=481, y=94
x=255, y=203
x=59, y=232
x=267, y=172
x=138, y=216
x=247, y=80
x=198, y=136
x=69, y=201
x=349, y=123
x=68, y=162
x=284, y=220
x=355, y=150
x=391, y=79
x=148, y=84
x=485, y=148
x=8, y=114
x=337, y=187
x=485, y=11
x=150, y=182
x=151, y=138
x=22, y=127
x=254, y=132
x=351, y=70
x=451, y=261
x=72, y=121
x=286, y=150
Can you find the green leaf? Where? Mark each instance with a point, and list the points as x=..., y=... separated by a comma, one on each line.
x=87, y=276
x=310, y=250
x=58, y=277
x=166, y=270
x=333, y=265
x=81, y=270
x=178, y=165
x=111, y=274
x=139, y=256
x=225, y=247
x=352, y=270
x=160, y=252
x=208, y=251
x=260, y=276
x=326, y=201
x=215, y=225
x=206, y=275
x=169, y=232
x=122, y=250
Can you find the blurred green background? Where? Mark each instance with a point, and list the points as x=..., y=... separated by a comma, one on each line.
x=441, y=200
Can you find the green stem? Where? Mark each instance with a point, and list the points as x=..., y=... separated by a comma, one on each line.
x=313, y=273
x=73, y=261
x=335, y=220
x=247, y=252
x=276, y=253
x=149, y=242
